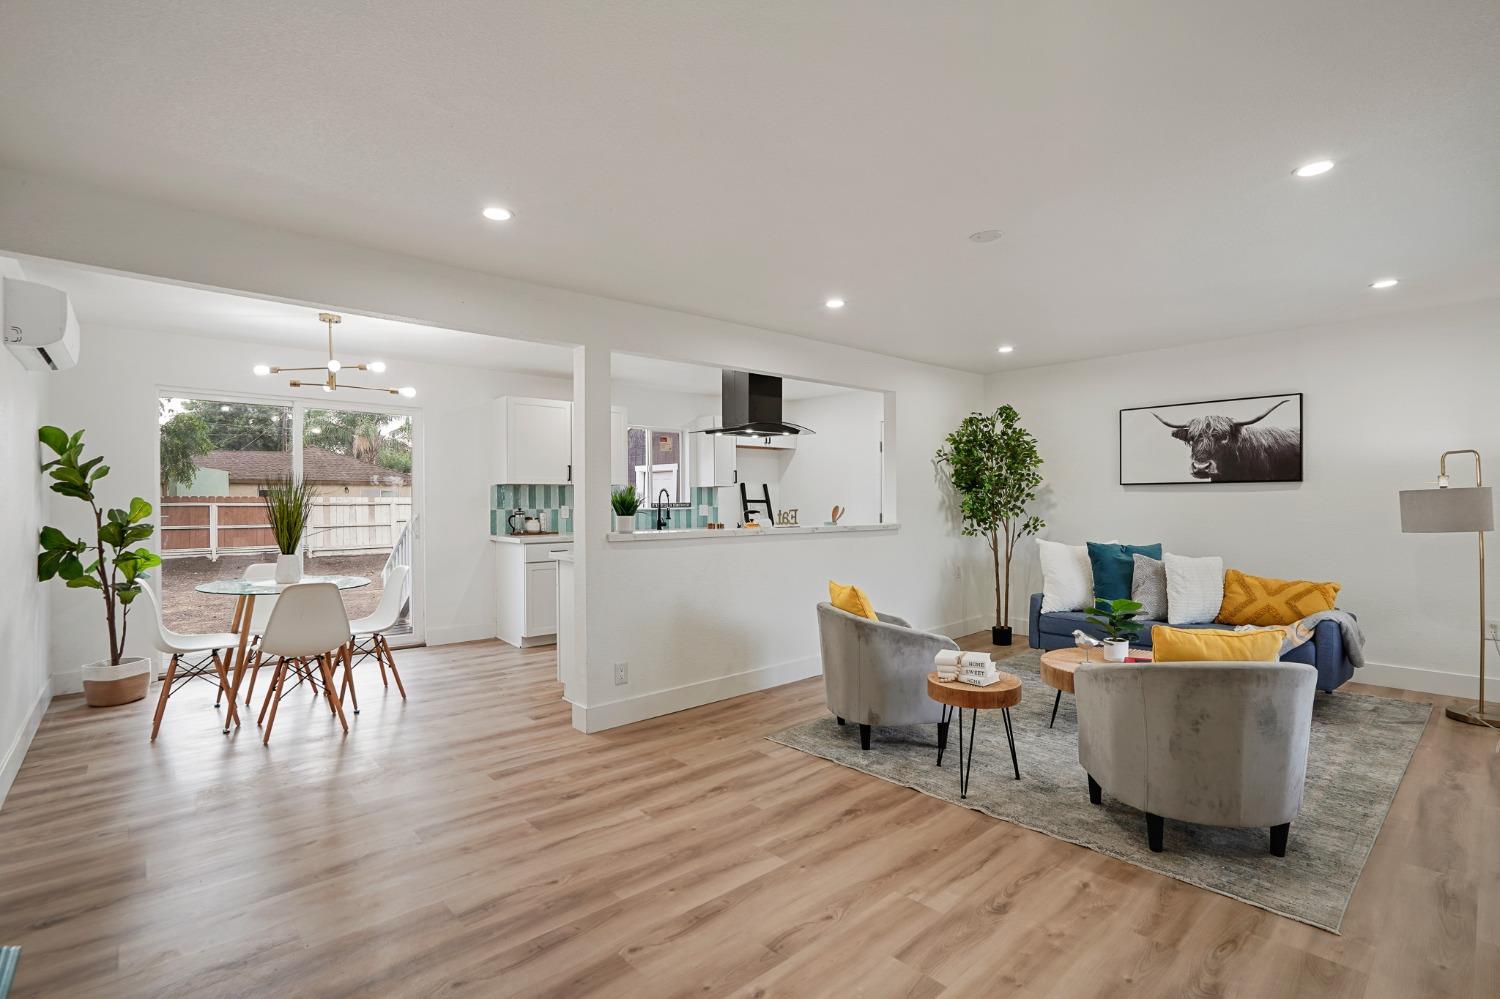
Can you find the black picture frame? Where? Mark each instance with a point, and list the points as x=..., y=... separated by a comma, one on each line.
x=1189, y=480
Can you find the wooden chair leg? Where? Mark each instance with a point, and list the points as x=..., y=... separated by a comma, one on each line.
x=324, y=662
x=166, y=691
x=379, y=660
x=271, y=690
x=233, y=717
x=391, y=662
x=274, y=701
x=347, y=658
x=254, y=672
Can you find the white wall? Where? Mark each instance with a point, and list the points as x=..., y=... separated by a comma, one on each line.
x=112, y=395
x=698, y=637
x=24, y=687
x=838, y=463
x=1382, y=400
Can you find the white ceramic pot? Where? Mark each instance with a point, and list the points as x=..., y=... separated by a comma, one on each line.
x=1115, y=650
x=289, y=568
x=105, y=686
x=624, y=524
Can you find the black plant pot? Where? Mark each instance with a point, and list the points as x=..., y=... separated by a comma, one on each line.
x=1000, y=636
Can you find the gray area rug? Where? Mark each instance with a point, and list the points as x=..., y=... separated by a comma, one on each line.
x=1360, y=749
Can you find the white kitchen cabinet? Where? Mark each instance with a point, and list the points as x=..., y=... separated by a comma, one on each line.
x=526, y=587
x=783, y=442
x=533, y=441
x=619, y=447
x=714, y=462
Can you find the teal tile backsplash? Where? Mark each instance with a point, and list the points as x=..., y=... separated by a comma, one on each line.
x=546, y=503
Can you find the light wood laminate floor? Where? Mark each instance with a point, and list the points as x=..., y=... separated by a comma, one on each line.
x=469, y=842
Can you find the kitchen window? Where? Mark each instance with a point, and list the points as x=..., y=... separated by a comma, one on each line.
x=658, y=461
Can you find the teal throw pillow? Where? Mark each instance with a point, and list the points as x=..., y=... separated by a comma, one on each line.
x=1113, y=566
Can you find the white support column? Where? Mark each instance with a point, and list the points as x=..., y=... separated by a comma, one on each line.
x=591, y=522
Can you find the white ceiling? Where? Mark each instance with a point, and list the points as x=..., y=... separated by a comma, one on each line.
x=104, y=298
x=749, y=160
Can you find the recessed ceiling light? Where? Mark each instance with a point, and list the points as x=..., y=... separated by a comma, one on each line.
x=834, y=303
x=497, y=214
x=1314, y=169
x=985, y=235
x=1384, y=283
x=1006, y=349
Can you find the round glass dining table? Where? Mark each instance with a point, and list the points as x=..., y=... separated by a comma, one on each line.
x=245, y=591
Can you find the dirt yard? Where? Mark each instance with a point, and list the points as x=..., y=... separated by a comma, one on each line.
x=187, y=610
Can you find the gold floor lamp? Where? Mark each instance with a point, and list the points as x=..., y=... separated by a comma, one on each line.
x=1446, y=510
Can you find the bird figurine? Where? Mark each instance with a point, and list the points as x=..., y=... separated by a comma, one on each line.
x=1083, y=641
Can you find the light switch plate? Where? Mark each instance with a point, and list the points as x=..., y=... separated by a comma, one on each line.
x=564, y=512
x=704, y=509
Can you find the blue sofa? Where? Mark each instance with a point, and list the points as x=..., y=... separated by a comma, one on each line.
x=1325, y=651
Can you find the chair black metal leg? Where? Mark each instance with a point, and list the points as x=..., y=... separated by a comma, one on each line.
x=1055, y=702
x=864, y=737
x=1096, y=793
x=1010, y=737
x=1278, y=839
x=1154, y=828
x=943, y=731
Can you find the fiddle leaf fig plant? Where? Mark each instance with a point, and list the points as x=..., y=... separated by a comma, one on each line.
x=992, y=462
x=108, y=562
x=1117, y=618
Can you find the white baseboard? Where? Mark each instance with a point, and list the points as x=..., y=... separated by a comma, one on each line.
x=10, y=763
x=612, y=714
x=67, y=682
x=459, y=633
x=1427, y=681
x=958, y=629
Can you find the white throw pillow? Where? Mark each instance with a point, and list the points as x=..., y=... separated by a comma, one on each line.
x=1195, y=588
x=1067, y=576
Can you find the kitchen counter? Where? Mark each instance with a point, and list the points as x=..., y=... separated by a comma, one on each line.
x=533, y=539
x=693, y=534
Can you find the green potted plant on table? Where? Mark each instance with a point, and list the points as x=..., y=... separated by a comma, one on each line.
x=115, y=568
x=625, y=503
x=992, y=462
x=288, y=504
x=1117, y=618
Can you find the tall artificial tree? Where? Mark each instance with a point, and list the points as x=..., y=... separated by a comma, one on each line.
x=992, y=462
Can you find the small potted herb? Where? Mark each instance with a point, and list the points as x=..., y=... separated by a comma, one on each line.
x=1117, y=618
x=625, y=503
x=289, y=505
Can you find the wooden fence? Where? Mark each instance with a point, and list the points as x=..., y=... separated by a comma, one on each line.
x=219, y=525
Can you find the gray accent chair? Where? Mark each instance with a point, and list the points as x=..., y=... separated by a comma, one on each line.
x=875, y=672
x=1219, y=744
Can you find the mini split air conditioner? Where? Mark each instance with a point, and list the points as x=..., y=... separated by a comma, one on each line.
x=38, y=324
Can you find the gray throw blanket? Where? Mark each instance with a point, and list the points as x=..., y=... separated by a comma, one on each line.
x=1301, y=633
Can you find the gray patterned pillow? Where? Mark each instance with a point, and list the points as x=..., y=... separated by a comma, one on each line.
x=1148, y=587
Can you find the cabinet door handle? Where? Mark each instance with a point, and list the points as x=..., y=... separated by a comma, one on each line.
x=570, y=473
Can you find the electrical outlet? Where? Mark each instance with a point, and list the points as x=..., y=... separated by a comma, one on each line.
x=1492, y=629
x=622, y=674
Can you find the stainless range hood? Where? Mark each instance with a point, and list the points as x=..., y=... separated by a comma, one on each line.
x=751, y=407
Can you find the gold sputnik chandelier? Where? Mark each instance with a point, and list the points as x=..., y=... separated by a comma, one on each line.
x=330, y=381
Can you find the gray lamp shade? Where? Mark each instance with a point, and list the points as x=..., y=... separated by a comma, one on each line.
x=1447, y=511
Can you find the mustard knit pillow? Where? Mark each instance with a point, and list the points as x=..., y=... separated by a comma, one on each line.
x=851, y=600
x=1268, y=602
x=1206, y=645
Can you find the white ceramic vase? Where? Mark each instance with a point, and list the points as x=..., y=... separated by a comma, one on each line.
x=624, y=524
x=1116, y=650
x=105, y=686
x=289, y=568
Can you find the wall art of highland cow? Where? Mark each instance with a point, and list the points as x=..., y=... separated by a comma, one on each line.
x=1253, y=439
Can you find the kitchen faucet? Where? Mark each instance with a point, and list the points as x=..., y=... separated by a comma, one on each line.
x=663, y=514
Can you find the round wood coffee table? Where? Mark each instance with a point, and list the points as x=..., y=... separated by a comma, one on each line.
x=1059, y=664
x=953, y=695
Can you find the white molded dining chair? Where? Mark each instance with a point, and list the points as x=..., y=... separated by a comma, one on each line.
x=308, y=627
x=180, y=672
x=260, y=614
x=367, y=635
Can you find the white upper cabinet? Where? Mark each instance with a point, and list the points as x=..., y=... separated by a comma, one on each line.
x=714, y=461
x=619, y=447
x=534, y=441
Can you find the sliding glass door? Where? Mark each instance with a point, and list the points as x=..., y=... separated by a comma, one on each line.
x=217, y=454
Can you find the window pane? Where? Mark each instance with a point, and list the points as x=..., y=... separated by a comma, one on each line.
x=666, y=464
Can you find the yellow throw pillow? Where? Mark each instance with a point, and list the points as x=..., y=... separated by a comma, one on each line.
x=1269, y=602
x=1207, y=645
x=851, y=599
